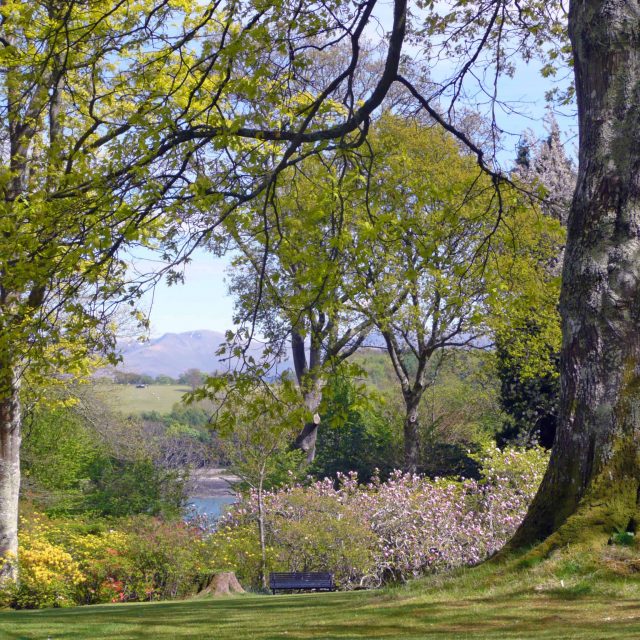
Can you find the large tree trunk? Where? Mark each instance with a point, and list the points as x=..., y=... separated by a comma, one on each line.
x=592, y=484
x=10, y=421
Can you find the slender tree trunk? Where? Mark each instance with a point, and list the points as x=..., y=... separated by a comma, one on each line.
x=306, y=439
x=311, y=385
x=263, y=544
x=591, y=487
x=411, y=435
x=10, y=422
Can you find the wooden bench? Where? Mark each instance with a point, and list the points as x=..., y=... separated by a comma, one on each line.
x=307, y=580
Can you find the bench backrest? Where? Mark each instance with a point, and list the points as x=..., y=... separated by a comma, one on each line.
x=304, y=580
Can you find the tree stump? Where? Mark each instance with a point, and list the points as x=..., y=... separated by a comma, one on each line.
x=223, y=584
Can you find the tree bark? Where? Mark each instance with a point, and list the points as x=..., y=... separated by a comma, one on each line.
x=411, y=435
x=261, y=531
x=306, y=439
x=10, y=437
x=223, y=584
x=591, y=487
x=311, y=386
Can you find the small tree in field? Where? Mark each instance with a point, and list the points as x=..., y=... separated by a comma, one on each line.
x=256, y=426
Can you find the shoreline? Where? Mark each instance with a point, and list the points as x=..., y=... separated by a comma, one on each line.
x=212, y=482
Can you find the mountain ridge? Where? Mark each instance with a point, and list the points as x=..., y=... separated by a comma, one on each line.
x=173, y=353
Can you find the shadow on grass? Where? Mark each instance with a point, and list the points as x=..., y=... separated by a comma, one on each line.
x=346, y=616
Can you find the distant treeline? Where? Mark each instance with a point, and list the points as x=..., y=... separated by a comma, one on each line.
x=191, y=377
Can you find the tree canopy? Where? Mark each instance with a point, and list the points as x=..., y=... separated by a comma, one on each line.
x=150, y=124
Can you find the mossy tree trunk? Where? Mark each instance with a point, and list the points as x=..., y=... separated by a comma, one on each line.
x=591, y=487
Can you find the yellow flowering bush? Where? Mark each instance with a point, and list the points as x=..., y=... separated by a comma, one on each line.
x=66, y=561
x=104, y=559
x=49, y=575
x=75, y=561
x=306, y=531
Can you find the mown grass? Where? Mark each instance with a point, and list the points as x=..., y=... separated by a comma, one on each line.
x=128, y=399
x=567, y=598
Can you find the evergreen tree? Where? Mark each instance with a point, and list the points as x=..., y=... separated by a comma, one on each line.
x=529, y=396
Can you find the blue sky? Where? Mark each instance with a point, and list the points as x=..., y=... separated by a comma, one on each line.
x=202, y=301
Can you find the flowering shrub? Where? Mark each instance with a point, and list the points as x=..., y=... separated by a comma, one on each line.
x=103, y=558
x=66, y=562
x=326, y=531
x=167, y=559
x=391, y=531
x=48, y=576
x=366, y=534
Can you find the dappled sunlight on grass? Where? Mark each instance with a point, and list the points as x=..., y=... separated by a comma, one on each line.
x=562, y=598
x=350, y=616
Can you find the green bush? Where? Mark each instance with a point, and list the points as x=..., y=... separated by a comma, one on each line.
x=122, y=488
x=320, y=533
x=70, y=469
x=355, y=434
x=312, y=532
x=58, y=450
x=624, y=538
x=167, y=559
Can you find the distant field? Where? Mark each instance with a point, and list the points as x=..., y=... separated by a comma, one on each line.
x=154, y=397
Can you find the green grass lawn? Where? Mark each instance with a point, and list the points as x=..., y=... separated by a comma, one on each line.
x=478, y=604
x=154, y=397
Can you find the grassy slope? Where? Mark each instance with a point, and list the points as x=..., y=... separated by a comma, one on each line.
x=479, y=604
x=129, y=399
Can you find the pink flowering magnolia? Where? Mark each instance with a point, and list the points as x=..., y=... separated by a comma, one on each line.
x=411, y=525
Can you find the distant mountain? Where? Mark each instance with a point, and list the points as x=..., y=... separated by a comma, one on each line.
x=174, y=353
